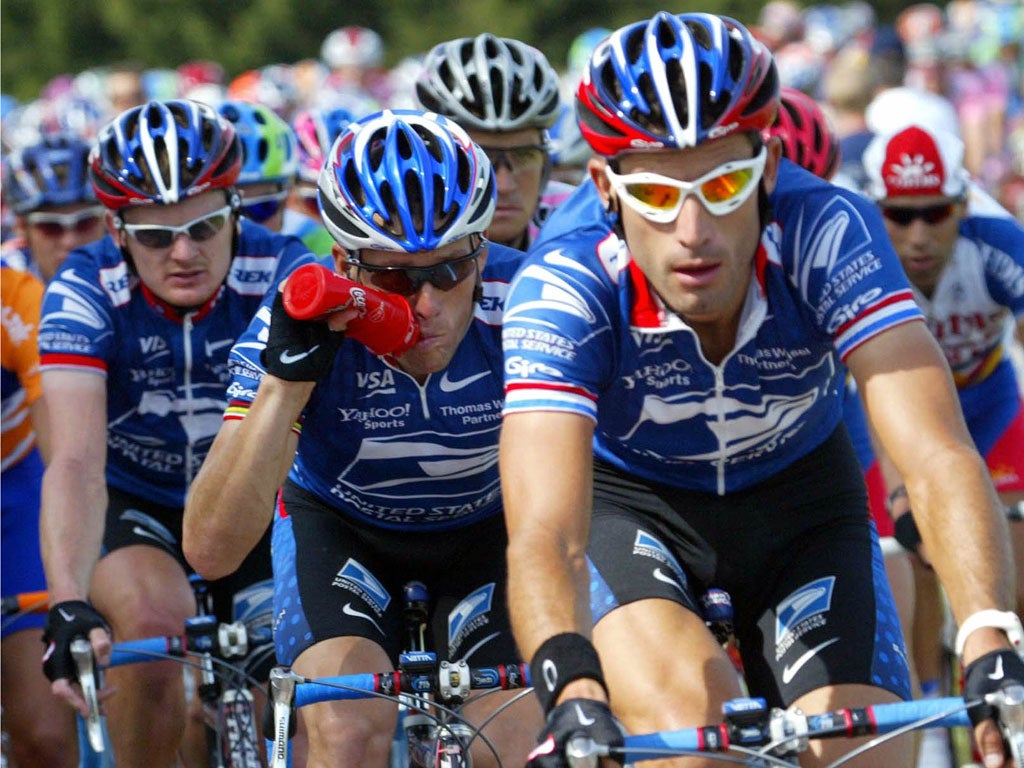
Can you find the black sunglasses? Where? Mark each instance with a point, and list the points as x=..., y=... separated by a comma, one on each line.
x=526, y=157
x=405, y=281
x=931, y=214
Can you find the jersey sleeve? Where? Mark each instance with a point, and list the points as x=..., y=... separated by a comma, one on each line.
x=22, y=299
x=557, y=332
x=77, y=327
x=1001, y=242
x=844, y=266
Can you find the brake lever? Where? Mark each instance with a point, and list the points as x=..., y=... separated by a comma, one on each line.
x=81, y=653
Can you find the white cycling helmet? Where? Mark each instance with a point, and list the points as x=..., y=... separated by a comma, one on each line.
x=490, y=83
x=352, y=47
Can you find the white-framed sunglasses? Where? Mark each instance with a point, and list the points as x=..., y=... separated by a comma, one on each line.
x=56, y=224
x=200, y=229
x=660, y=198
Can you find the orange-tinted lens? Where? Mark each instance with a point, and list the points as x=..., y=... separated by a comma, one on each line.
x=661, y=197
x=726, y=186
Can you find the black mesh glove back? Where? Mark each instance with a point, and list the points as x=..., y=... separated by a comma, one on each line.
x=298, y=350
x=65, y=622
x=575, y=717
x=989, y=673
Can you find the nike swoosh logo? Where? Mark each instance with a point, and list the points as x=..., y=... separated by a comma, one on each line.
x=667, y=579
x=287, y=358
x=998, y=674
x=214, y=346
x=139, y=531
x=350, y=611
x=71, y=617
x=447, y=385
x=584, y=720
x=788, y=672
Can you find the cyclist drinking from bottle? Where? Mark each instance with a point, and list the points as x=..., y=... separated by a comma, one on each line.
x=389, y=463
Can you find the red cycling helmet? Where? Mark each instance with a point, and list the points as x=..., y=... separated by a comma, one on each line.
x=807, y=138
x=676, y=81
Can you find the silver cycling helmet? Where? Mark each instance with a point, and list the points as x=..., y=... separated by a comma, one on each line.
x=490, y=83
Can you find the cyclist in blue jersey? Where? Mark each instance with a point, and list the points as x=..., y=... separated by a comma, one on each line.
x=134, y=338
x=270, y=160
x=47, y=187
x=389, y=464
x=675, y=350
x=504, y=93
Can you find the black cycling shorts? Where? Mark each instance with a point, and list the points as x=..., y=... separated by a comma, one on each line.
x=797, y=553
x=246, y=595
x=335, y=576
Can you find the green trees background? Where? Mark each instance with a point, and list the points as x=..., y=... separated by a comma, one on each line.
x=40, y=39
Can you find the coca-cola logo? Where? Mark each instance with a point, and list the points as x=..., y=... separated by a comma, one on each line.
x=359, y=300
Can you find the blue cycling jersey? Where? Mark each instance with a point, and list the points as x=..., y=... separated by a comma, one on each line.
x=166, y=372
x=380, y=447
x=583, y=333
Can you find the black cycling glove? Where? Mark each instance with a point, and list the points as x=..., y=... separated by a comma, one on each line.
x=575, y=717
x=65, y=622
x=989, y=673
x=298, y=350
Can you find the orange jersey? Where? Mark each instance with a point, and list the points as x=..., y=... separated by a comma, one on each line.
x=22, y=383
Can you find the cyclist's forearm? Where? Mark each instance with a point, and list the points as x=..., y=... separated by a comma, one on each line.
x=965, y=533
x=71, y=524
x=231, y=501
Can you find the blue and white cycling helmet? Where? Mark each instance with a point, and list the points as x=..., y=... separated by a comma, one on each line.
x=404, y=180
x=163, y=152
x=53, y=171
x=269, y=148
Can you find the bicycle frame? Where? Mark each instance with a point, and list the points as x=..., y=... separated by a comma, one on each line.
x=427, y=688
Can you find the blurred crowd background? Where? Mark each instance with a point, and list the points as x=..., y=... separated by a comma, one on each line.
x=70, y=65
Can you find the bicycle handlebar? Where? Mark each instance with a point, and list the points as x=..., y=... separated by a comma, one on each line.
x=449, y=680
x=203, y=636
x=782, y=732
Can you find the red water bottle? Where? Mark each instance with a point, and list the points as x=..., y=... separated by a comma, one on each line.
x=386, y=323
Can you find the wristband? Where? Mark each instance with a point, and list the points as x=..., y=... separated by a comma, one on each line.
x=905, y=531
x=560, y=660
x=1007, y=621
